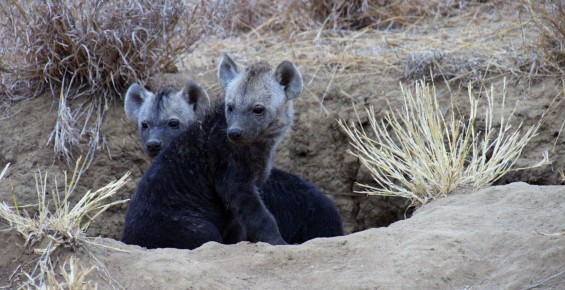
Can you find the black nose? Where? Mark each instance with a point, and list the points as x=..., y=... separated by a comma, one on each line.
x=153, y=145
x=234, y=133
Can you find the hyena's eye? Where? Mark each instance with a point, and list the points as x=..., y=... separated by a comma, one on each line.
x=144, y=125
x=258, y=110
x=174, y=123
x=230, y=107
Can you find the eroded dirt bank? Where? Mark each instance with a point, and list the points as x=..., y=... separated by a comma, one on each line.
x=497, y=238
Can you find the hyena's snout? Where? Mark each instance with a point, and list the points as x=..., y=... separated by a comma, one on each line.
x=235, y=134
x=153, y=147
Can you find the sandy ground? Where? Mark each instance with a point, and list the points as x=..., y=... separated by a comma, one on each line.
x=496, y=238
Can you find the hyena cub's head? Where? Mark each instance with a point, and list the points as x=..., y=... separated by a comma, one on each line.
x=258, y=101
x=163, y=116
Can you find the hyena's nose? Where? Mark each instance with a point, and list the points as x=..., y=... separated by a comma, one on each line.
x=234, y=133
x=153, y=145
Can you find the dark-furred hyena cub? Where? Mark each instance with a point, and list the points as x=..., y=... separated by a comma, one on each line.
x=259, y=110
x=203, y=183
x=301, y=210
x=163, y=116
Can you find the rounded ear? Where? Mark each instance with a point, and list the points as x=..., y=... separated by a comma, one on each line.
x=227, y=71
x=196, y=96
x=288, y=76
x=135, y=96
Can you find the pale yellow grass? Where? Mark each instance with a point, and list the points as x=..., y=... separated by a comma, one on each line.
x=58, y=221
x=420, y=153
x=71, y=275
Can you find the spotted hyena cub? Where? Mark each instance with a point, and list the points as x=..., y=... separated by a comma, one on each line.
x=259, y=105
x=204, y=186
x=162, y=116
x=300, y=209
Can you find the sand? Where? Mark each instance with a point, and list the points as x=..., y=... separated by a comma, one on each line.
x=496, y=238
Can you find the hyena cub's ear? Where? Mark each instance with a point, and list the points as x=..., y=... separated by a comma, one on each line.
x=288, y=76
x=197, y=97
x=135, y=96
x=227, y=71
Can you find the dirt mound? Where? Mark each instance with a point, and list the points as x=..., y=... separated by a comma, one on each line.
x=493, y=238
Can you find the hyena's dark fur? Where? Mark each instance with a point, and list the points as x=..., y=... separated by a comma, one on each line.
x=180, y=201
x=301, y=210
x=259, y=111
x=182, y=186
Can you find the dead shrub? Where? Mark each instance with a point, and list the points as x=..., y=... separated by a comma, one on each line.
x=421, y=153
x=344, y=14
x=57, y=223
x=231, y=17
x=91, y=49
x=341, y=14
x=549, y=18
x=305, y=15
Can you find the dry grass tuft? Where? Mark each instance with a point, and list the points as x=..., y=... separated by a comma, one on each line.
x=56, y=218
x=464, y=69
x=71, y=275
x=340, y=14
x=59, y=222
x=420, y=153
x=74, y=277
x=91, y=49
x=297, y=15
x=549, y=18
x=293, y=16
x=66, y=134
x=103, y=45
x=231, y=17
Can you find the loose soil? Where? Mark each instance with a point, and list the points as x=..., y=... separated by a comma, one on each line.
x=502, y=237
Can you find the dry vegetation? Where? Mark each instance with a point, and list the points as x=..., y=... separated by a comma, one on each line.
x=549, y=18
x=71, y=275
x=332, y=15
x=88, y=51
x=57, y=223
x=420, y=153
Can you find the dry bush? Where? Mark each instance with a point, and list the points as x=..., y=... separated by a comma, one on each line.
x=91, y=49
x=549, y=18
x=468, y=68
x=437, y=65
x=61, y=223
x=345, y=14
x=331, y=14
x=420, y=153
x=342, y=14
x=231, y=17
x=71, y=275
x=55, y=217
x=102, y=45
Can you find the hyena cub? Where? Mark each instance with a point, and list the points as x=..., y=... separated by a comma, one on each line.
x=301, y=210
x=259, y=106
x=259, y=111
x=163, y=116
x=203, y=182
